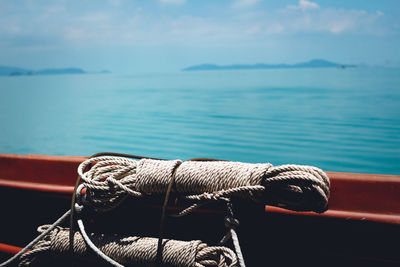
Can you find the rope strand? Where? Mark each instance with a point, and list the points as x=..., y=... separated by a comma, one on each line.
x=36, y=240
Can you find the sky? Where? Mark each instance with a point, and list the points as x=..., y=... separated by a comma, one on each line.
x=127, y=36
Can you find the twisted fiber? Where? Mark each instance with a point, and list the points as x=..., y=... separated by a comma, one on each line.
x=29, y=257
x=41, y=247
x=111, y=179
x=132, y=250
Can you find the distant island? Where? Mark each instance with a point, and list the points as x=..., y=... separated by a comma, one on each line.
x=15, y=71
x=315, y=63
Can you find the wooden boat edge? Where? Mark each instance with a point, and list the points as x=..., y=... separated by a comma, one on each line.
x=354, y=196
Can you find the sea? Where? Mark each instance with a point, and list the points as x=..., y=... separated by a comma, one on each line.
x=345, y=120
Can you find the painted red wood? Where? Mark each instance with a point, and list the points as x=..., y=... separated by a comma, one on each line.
x=39, y=172
x=8, y=249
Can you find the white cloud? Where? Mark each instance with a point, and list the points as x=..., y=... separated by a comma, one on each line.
x=304, y=5
x=253, y=30
x=294, y=19
x=339, y=21
x=276, y=28
x=244, y=3
x=173, y=2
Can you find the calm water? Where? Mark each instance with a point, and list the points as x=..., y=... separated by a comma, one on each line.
x=339, y=120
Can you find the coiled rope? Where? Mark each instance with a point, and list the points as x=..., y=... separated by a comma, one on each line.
x=112, y=179
x=131, y=250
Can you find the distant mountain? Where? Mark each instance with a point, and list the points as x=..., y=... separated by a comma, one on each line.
x=315, y=63
x=5, y=71
x=14, y=71
x=61, y=71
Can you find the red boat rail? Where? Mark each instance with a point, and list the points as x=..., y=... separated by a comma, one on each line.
x=354, y=196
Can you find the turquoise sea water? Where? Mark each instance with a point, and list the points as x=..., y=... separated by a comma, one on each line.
x=338, y=120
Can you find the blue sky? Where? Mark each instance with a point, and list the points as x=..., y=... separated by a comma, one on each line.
x=168, y=35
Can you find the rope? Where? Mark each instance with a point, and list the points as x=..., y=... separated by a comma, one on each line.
x=81, y=200
x=171, y=184
x=131, y=250
x=36, y=240
x=236, y=245
x=78, y=181
x=94, y=248
x=163, y=213
x=112, y=179
x=232, y=224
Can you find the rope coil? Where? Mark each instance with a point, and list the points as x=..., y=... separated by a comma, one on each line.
x=131, y=250
x=111, y=179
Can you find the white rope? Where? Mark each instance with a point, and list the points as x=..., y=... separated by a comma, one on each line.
x=238, y=250
x=36, y=240
x=93, y=246
x=111, y=179
x=78, y=209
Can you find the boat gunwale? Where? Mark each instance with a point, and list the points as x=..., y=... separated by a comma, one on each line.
x=354, y=196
